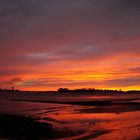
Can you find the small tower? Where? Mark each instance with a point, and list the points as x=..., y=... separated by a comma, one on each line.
x=12, y=88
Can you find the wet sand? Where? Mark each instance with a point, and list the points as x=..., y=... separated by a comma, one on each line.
x=102, y=118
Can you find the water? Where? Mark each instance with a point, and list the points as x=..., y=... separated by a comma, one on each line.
x=115, y=122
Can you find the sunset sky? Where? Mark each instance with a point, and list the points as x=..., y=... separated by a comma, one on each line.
x=47, y=44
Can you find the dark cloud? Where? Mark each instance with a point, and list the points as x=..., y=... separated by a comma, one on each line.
x=41, y=17
x=131, y=4
x=135, y=69
x=10, y=72
x=124, y=82
x=11, y=82
x=47, y=81
x=15, y=80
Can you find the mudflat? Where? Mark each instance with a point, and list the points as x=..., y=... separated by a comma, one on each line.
x=31, y=116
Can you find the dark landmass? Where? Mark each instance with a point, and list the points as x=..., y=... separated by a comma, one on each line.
x=80, y=91
x=21, y=127
x=15, y=127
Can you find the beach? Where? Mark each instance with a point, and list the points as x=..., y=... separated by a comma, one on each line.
x=70, y=117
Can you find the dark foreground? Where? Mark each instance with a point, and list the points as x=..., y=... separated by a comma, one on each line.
x=19, y=127
x=46, y=117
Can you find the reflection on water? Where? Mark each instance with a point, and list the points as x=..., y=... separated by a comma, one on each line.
x=26, y=108
x=87, y=121
x=118, y=125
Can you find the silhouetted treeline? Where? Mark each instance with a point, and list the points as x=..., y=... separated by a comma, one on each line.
x=83, y=90
x=9, y=90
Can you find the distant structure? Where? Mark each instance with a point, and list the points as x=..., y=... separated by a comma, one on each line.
x=12, y=88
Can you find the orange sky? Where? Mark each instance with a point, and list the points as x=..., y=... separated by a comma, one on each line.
x=45, y=45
